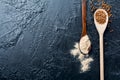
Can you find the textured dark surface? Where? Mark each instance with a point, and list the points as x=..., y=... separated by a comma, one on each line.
x=36, y=37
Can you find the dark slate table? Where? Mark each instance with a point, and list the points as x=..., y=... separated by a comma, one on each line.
x=36, y=37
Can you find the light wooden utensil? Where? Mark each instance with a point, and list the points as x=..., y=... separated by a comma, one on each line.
x=101, y=29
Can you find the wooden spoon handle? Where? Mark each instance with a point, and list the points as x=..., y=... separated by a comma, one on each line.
x=101, y=58
x=84, y=32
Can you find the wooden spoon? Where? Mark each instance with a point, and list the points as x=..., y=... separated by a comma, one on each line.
x=101, y=29
x=84, y=30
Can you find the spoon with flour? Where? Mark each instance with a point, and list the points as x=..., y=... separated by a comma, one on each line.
x=85, y=43
x=101, y=21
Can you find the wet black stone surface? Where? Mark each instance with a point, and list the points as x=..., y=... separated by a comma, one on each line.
x=36, y=37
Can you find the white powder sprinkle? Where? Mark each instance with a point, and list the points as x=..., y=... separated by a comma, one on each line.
x=85, y=61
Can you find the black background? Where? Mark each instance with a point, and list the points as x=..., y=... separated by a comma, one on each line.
x=36, y=37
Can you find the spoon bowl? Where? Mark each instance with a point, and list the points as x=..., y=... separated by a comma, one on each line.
x=101, y=27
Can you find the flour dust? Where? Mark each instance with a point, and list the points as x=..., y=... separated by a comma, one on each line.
x=85, y=60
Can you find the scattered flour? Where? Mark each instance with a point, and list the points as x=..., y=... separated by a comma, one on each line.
x=85, y=61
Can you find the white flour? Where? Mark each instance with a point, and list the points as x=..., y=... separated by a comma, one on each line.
x=85, y=44
x=85, y=62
